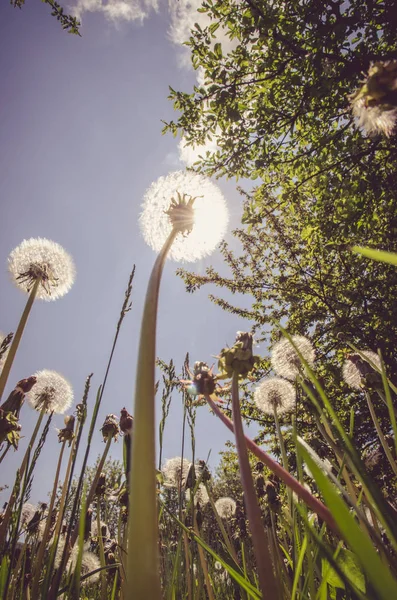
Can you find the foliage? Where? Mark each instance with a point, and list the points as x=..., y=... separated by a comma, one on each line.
x=68, y=22
x=278, y=106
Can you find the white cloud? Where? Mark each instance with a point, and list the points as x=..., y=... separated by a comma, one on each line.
x=117, y=10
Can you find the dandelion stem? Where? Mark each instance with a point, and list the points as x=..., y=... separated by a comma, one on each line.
x=143, y=581
x=312, y=502
x=43, y=543
x=259, y=538
x=14, y=494
x=17, y=337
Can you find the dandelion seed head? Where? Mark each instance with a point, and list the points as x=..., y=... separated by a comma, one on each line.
x=285, y=360
x=351, y=372
x=41, y=258
x=225, y=507
x=275, y=394
x=90, y=562
x=210, y=215
x=52, y=392
x=374, y=120
x=27, y=513
x=200, y=496
x=175, y=471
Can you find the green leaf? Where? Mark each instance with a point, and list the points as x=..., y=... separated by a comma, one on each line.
x=378, y=575
x=378, y=255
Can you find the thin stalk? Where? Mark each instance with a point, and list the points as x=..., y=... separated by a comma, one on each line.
x=203, y=563
x=225, y=535
x=143, y=579
x=281, y=440
x=259, y=538
x=43, y=544
x=382, y=438
x=13, y=497
x=17, y=337
x=312, y=502
x=187, y=561
x=2, y=457
x=101, y=553
x=91, y=493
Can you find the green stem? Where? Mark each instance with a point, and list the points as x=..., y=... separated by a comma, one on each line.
x=43, y=543
x=281, y=440
x=260, y=540
x=13, y=497
x=17, y=337
x=382, y=438
x=143, y=581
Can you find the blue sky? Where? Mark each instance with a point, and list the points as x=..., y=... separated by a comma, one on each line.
x=80, y=141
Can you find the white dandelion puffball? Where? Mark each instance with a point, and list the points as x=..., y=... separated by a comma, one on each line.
x=225, y=507
x=375, y=119
x=40, y=258
x=51, y=393
x=355, y=368
x=210, y=215
x=89, y=562
x=275, y=394
x=200, y=495
x=175, y=471
x=285, y=360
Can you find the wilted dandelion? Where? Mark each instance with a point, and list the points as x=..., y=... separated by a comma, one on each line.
x=51, y=393
x=355, y=368
x=175, y=471
x=225, y=507
x=374, y=105
x=285, y=360
x=200, y=495
x=210, y=215
x=275, y=395
x=39, y=258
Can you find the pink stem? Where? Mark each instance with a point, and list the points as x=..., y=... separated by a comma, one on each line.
x=313, y=503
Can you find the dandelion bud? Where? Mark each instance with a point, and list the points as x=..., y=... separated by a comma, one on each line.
x=239, y=358
x=67, y=434
x=101, y=485
x=126, y=422
x=5, y=341
x=275, y=394
x=225, y=507
x=51, y=393
x=110, y=428
x=40, y=259
x=285, y=359
x=358, y=373
x=175, y=472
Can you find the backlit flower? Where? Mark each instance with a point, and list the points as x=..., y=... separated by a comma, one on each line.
x=52, y=392
x=210, y=215
x=39, y=258
x=356, y=368
x=275, y=394
x=285, y=360
x=175, y=471
x=225, y=507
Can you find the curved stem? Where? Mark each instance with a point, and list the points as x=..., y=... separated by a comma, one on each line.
x=143, y=580
x=259, y=538
x=382, y=438
x=312, y=502
x=17, y=337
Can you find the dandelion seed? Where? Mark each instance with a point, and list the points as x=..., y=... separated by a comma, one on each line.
x=200, y=496
x=374, y=105
x=175, y=471
x=275, y=394
x=285, y=360
x=210, y=215
x=39, y=258
x=90, y=562
x=355, y=368
x=51, y=393
x=225, y=507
